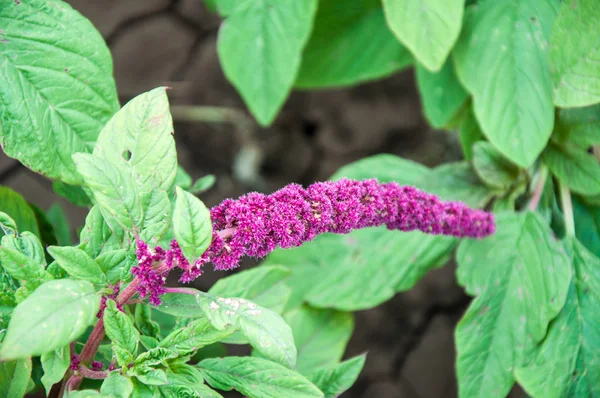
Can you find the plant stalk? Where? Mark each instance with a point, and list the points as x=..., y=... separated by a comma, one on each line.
x=539, y=188
x=567, y=208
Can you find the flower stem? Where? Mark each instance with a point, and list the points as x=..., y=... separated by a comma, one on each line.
x=567, y=208
x=539, y=188
x=92, y=374
x=182, y=290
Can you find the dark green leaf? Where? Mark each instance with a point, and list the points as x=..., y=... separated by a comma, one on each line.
x=144, y=322
x=15, y=377
x=579, y=126
x=182, y=178
x=335, y=381
x=55, y=364
x=442, y=95
x=120, y=330
x=492, y=167
x=574, y=167
x=17, y=208
x=566, y=363
x=78, y=264
x=47, y=235
x=260, y=45
x=320, y=335
x=60, y=223
x=203, y=184
x=469, y=134
x=72, y=193
x=429, y=28
x=587, y=224
x=574, y=50
x=501, y=58
x=54, y=315
x=191, y=225
x=257, y=378
x=117, y=386
x=58, y=85
x=350, y=44
x=521, y=288
x=195, y=335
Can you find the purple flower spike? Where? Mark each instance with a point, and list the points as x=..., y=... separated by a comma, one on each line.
x=151, y=281
x=256, y=224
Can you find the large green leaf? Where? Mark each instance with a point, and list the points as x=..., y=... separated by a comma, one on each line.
x=429, y=28
x=567, y=362
x=334, y=381
x=386, y=168
x=55, y=364
x=15, y=377
x=17, y=208
x=141, y=133
x=320, y=335
x=574, y=167
x=78, y=264
x=260, y=45
x=501, y=58
x=257, y=378
x=579, y=126
x=54, y=315
x=493, y=168
x=574, y=54
x=122, y=333
x=195, y=335
x=521, y=276
x=350, y=43
x=191, y=225
x=114, y=189
x=442, y=95
x=57, y=91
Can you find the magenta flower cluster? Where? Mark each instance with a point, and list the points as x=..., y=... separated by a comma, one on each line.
x=256, y=224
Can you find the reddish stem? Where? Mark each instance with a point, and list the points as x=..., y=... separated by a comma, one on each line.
x=183, y=290
x=92, y=374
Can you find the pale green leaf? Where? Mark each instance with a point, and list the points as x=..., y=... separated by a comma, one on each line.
x=191, y=225
x=183, y=305
x=260, y=45
x=154, y=356
x=117, y=386
x=257, y=378
x=22, y=267
x=120, y=330
x=350, y=44
x=492, y=167
x=113, y=263
x=442, y=95
x=95, y=236
x=55, y=364
x=78, y=264
x=54, y=315
x=197, y=334
x=15, y=377
x=151, y=376
x=574, y=54
x=520, y=276
x=58, y=87
x=157, y=215
x=336, y=380
x=429, y=28
x=384, y=167
x=501, y=58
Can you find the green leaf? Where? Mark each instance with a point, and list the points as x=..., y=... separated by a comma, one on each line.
x=257, y=378
x=513, y=98
x=335, y=381
x=15, y=377
x=469, y=134
x=457, y=182
x=8, y=225
x=60, y=223
x=184, y=375
x=148, y=342
x=350, y=44
x=17, y=208
x=55, y=364
x=154, y=356
x=386, y=168
x=113, y=188
x=587, y=224
x=521, y=288
x=144, y=322
x=442, y=95
x=157, y=215
x=113, y=263
x=262, y=285
x=22, y=267
x=579, y=126
x=259, y=46
x=78, y=264
x=141, y=133
x=181, y=305
x=492, y=167
x=321, y=336
x=120, y=330
x=265, y=330
x=27, y=244
x=54, y=315
x=566, y=363
x=191, y=225
x=143, y=391
x=574, y=53
x=72, y=193
x=150, y=376
x=95, y=234
x=203, y=184
x=117, y=386
x=58, y=90
x=429, y=28
x=47, y=235
x=197, y=334
x=86, y=394
x=574, y=167
x=182, y=178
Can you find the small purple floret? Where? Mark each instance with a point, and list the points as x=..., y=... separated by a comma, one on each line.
x=151, y=281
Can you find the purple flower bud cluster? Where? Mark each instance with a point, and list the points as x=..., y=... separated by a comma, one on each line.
x=112, y=296
x=256, y=224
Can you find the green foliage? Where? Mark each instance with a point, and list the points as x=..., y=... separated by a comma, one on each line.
x=334, y=381
x=78, y=264
x=493, y=168
x=574, y=167
x=117, y=386
x=54, y=315
x=522, y=287
x=578, y=126
x=14, y=206
x=14, y=377
x=121, y=331
x=191, y=225
x=260, y=45
x=350, y=43
x=54, y=363
x=431, y=45
x=257, y=378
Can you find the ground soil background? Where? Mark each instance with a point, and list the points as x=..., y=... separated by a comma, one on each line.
x=409, y=339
